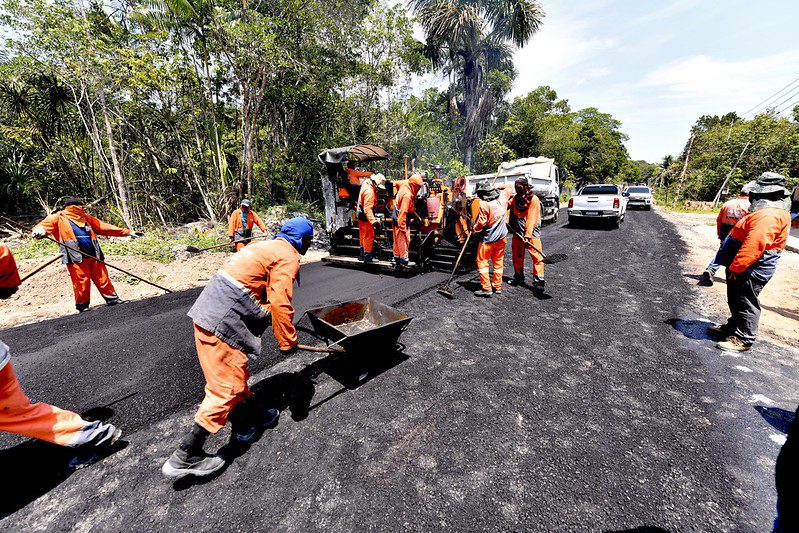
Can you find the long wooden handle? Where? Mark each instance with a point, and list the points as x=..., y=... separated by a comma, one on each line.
x=42, y=266
x=68, y=247
x=233, y=243
x=319, y=349
x=529, y=245
x=458, y=261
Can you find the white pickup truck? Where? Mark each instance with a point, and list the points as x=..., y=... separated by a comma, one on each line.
x=599, y=202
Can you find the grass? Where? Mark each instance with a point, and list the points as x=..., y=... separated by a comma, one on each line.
x=155, y=245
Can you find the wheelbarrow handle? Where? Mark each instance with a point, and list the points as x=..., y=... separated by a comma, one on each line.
x=318, y=349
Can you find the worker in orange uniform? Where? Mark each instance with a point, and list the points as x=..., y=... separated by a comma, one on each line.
x=230, y=315
x=525, y=224
x=367, y=199
x=491, y=221
x=9, y=275
x=78, y=230
x=731, y=212
x=752, y=250
x=403, y=207
x=40, y=420
x=240, y=225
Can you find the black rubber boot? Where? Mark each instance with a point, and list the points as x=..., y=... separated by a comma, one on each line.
x=538, y=285
x=82, y=307
x=249, y=419
x=113, y=300
x=518, y=279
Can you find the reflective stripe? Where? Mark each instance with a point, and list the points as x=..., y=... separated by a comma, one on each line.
x=483, y=270
x=5, y=355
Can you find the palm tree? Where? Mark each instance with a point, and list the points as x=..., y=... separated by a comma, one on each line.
x=468, y=39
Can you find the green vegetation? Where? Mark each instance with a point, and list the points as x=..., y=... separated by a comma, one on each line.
x=766, y=142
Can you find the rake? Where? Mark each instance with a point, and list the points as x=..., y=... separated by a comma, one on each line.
x=444, y=289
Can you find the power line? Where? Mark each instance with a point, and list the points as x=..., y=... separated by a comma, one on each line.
x=789, y=106
x=790, y=96
x=776, y=94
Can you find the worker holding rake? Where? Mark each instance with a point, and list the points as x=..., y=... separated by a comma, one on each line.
x=78, y=230
x=18, y=415
x=525, y=224
x=491, y=250
x=230, y=315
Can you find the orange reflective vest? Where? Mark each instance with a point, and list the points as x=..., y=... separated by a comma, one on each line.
x=9, y=275
x=731, y=212
x=58, y=225
x=256, y=282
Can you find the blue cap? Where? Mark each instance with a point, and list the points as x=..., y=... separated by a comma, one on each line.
x=245, y=202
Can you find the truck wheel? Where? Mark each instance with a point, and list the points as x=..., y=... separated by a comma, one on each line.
x=617, y=223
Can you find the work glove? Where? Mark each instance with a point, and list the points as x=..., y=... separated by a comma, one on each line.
x=377, y=223
x=39, y=233
x=289, y=351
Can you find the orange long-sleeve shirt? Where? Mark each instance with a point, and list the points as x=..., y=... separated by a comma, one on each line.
x=234, y=222
x=759, y=232
x=59, y=227
x=268, y=270
x=729, y=215
x=531, y=217
x=404, y=201
x=355, y=176
x=9, y=275
x=367, y=199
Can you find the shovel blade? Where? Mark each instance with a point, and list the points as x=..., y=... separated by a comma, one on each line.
x=446, y=291
x=555, y=258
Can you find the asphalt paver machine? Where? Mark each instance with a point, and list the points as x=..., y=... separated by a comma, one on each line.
x=442, y=221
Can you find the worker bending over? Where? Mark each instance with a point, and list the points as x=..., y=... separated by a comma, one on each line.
x=493, y=208
x=240, y=225
x=78, y=230
x=40, y=420
x=752, y=250
x=403, y=208
x=525, y=224
x=229, y=317
x=731, y=212
x=367, y=200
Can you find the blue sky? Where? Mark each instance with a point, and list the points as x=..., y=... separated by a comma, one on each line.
x=658, y=65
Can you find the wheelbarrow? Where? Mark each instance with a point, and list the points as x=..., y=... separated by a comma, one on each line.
x=358, y=326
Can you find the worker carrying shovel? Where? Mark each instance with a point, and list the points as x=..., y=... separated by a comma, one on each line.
x=231, y=314
x=240, y=225
x=43, y=421
x=367, y=221
x=78, y=230
x=525, y=224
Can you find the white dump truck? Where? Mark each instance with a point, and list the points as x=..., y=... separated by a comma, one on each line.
x=540, y=172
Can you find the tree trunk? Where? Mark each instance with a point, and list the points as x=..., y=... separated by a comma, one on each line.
x=119, y=180
x=682, y=174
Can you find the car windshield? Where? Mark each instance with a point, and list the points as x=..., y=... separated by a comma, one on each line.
x=601, y=189
x=644, y=190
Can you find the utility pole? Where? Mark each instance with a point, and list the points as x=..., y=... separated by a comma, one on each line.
x=729, y=175
x=684, y=169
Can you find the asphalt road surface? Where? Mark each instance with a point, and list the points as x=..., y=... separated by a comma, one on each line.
x=601, y=407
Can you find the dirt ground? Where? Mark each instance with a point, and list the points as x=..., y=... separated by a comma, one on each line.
x=779, y=299
x=48, y=294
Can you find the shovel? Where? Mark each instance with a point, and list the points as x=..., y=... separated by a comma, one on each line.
x=548, y=259
x=444, y=289
x=195, y=250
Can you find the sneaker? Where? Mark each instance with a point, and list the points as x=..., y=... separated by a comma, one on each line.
x=497, y=291
x=114, y=301
x=707, y=279
x=247, y=434
x=483, y=294
x=180, y=465
x=89, y=454
x=734, y=344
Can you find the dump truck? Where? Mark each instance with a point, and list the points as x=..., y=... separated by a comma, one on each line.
x=540, y=172
x=439, y=228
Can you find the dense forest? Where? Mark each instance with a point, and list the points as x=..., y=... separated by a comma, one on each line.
x=163, y=111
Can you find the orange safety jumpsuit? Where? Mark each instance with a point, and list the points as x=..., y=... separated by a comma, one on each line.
x=729, y=215
x=236, y=230
x=367, y=199
x=528, y=223
x=37, y=420
x=230, y=315
x=403, y=206
x=83, y=270
x=491, y=250
x=9, y=275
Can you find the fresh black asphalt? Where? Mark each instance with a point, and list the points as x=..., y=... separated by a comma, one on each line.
x=601, y=407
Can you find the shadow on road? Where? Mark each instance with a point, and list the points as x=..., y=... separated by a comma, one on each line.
x=779, y=419
x=295, y=391
x=34, y=468
x=597, y=225
x=787, y=313
x=698, y=278
x=693, y=329
x=641, y=529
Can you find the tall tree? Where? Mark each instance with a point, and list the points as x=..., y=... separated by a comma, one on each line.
x=470, y=39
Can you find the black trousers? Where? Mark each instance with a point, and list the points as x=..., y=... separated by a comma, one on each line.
x=742, y=297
